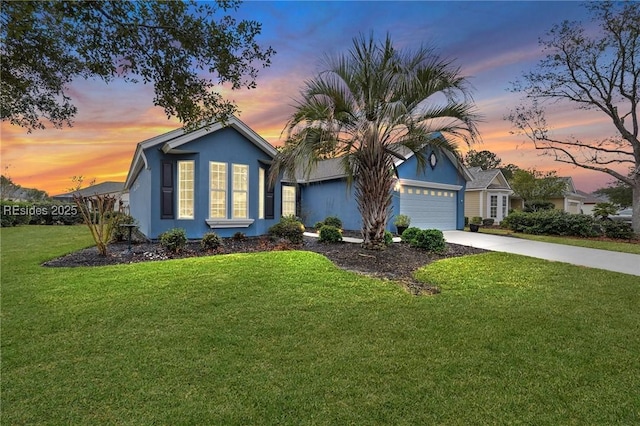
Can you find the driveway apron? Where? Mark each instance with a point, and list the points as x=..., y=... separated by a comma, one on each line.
x=593, y=258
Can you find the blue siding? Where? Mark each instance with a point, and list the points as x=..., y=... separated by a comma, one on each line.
x=330, y=198
x=445, y=172
x=226, y=146
x=317, y=200
x=334, y=198
x=140, y=200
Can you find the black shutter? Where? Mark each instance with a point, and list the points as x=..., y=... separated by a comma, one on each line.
x=166, y=196
x=269, y=200
x=298, y=201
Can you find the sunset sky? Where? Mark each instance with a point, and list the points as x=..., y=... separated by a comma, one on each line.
x=492, y=42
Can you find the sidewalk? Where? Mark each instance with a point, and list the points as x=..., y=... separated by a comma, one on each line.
x=593, y=258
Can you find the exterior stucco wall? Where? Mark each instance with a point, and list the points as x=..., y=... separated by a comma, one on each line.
x=140, y=200
x=335, y=198
x=330, y=198
x=227, y=146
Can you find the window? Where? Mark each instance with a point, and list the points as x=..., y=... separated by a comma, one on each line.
x=494, y=206
x=505, y=201
x=261, y=192
x=240, y=187
x=185, y=189
x=288, y=200
x=218, y=188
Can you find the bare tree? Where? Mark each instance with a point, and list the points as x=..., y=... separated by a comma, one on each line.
x=589, y=70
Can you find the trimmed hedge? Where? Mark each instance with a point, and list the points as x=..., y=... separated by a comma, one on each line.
x=210, y=241
x=553, y=222
x=617, y=229
x=426, y=239
x=430, y=240
x=15, y=213
x=409, y=234
x=174, y=239
x=290, y=228
x=330, y=234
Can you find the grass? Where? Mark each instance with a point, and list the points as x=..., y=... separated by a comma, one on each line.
x=287, y=338
x=619, y=246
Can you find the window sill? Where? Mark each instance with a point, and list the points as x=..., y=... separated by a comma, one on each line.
x=229, y=223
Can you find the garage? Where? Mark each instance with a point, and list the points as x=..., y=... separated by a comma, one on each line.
x=429, y=208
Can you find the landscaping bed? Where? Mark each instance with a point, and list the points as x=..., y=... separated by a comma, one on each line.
x=396, y=263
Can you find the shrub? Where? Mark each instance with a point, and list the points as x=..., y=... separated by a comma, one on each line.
x=333, y=221
x=238, y=236
x=604, y=210
x=466, y=221
x=409, y=234
x=430, y=240
x=290, y=228
x=210, y=241
x=174, y=239
x=488, y=222
x=120, y=233
x=536, y=206
x=617, y=229
x=15, y=213
x=388, y=238
x=552, y=222
x=330, y=234
x=318, y=225
x=476, y=220
x=402, y=220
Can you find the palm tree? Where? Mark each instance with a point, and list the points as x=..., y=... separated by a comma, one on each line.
x=371, y=107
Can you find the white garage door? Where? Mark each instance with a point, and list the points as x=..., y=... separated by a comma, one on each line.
x=429, y=208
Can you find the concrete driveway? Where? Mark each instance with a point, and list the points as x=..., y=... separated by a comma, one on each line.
x=593, y=258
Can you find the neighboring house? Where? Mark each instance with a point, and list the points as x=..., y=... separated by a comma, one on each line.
x=115, y=189
x=590, y=200
x=216, y=179
x=487, y=195
x=570, y=201
x=14, y=193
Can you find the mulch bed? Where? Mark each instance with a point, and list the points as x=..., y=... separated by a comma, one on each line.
x=397, y=263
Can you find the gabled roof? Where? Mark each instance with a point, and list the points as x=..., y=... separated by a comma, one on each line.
x=570, y=191
x=98, y=189
x=483, y=179
x=171, y=141
x=333, y=169
x=592, y=198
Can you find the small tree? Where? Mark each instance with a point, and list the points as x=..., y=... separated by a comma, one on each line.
x=619, y=193
x=486, y=160
x=604, y=210
x=532, y=185
x=94, y=210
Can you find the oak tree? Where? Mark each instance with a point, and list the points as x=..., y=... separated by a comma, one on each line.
x=590, y=69
x=186, y=49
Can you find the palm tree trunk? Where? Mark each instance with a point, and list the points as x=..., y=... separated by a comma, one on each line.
x=373, y=185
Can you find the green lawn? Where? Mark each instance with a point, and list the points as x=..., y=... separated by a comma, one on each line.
x=287, y=338
x=620, y=246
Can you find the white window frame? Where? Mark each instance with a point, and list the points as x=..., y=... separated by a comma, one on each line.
x=287, y=202
x=186, y=194
x=222, y=190
x=505, y=204
x=239, y=193
x=493, y=208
